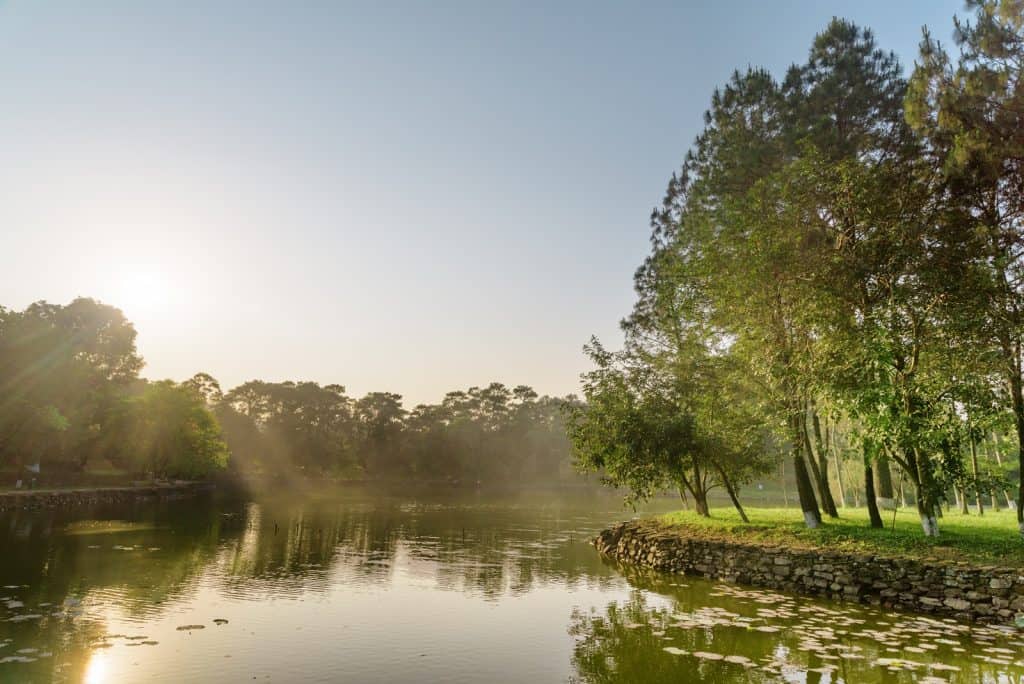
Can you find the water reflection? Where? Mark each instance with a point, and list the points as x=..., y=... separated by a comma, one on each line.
x=675, y=629
x=81, y=585
x=373, y=587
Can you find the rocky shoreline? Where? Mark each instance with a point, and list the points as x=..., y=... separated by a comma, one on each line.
x=960, y=590
x=38, y=500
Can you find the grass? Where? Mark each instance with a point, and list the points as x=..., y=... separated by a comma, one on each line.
x=992, y=539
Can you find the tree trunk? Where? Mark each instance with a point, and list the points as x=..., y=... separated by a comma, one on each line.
x=886, y=493
x=700, y=502
x=869, y=494
x=732, y=494
x=1010, y=503
x=925, y=492
x=828, y=500
x=782, y=479
x=804, y=489
x=977, y=481
x=961, y=499
x=700, y=493
x=1017, y=396
x=682, y=497
x=819, y=478
x=929, y=521
x=839, y=479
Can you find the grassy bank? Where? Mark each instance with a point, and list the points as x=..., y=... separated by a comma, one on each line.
x=989, y=539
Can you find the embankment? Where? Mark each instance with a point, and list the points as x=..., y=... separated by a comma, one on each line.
x=46, y=499
x=947, y=588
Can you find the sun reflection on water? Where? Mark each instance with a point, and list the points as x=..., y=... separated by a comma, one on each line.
x=96, y=670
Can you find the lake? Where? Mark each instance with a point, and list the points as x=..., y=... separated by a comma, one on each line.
x=358, y=586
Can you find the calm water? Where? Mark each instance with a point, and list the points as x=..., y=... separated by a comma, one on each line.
x=360, y=588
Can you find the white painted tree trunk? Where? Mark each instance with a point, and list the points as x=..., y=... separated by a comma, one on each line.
x=930, y=525
x=1010, y=503
x=812, y=521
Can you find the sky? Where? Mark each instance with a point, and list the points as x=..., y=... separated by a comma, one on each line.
x=398, y=196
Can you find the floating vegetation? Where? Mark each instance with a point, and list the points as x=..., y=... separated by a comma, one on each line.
x=730, y=629
x=23, y=617
x=105, y=527
x=189, y=628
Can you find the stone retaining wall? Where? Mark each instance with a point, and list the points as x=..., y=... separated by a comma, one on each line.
x=67, y=498
x=960, y=590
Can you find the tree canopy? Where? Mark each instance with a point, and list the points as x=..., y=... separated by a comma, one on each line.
x=837, y=260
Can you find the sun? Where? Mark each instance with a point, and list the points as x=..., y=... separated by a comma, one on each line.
x=142, y=292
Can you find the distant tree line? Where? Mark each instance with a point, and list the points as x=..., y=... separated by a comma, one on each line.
x=490, y=434
x=835, y=275
x=71, y=395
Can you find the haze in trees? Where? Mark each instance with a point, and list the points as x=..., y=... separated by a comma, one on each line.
x=72, y=395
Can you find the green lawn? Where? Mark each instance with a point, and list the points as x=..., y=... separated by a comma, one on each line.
x=989, y=539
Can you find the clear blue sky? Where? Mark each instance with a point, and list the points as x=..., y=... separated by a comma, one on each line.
x=411, y=197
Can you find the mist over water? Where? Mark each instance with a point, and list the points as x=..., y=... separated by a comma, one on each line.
x=358, y=585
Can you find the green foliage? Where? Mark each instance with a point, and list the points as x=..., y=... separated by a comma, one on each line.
x=969, y=113
x=71, y=394
x=489, y=434
x=841, y=241
x=62, y=370
x=176, y=434
x=646, y=428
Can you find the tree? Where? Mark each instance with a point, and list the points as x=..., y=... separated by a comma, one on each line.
x=379, y=417
x=744, y=256
x=207, y=387
x=62, y=372
x=176, y=434
x=971, y=114
x=646, y=429
x=810, y=246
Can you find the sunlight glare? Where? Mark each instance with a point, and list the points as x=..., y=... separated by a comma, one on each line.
x=142, y=293
x=96, y=670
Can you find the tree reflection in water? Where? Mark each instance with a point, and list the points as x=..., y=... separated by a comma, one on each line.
x=505, y=574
